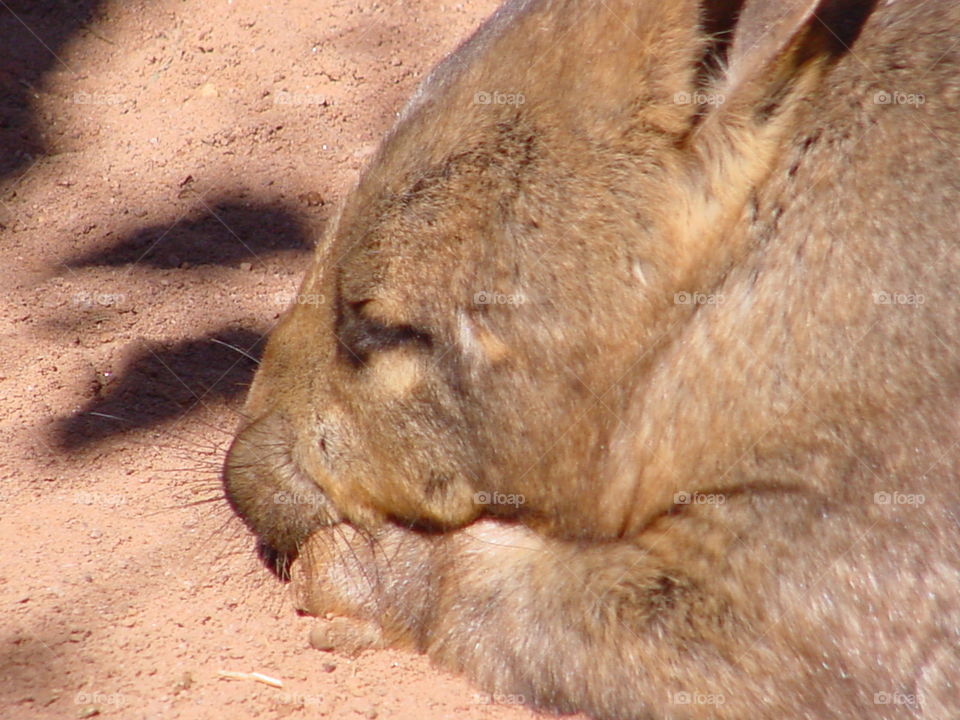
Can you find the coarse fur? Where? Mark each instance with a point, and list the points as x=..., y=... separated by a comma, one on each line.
x=629, y=381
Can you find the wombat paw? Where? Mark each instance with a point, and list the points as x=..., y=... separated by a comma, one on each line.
x=345, y=636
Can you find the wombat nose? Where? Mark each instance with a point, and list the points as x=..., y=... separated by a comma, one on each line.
x=266, y=487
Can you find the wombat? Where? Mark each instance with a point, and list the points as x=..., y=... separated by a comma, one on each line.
x=630, y=380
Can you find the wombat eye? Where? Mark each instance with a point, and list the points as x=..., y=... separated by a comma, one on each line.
x=360, y=335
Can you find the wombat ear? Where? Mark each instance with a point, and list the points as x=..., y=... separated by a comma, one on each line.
x=776, y=42
x=766, y=34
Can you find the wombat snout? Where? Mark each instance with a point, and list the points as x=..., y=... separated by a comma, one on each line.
x=268, y=489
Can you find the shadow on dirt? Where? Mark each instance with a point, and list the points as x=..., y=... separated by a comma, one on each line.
x=226, y=233
x=162, y=383
x=32, y=36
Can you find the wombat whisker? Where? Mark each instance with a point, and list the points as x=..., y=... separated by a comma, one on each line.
x=227, y=434
x=373, y=580
x=233, y=548
x=216, y=445
x=372, y=572
x=207, y=449
x=243, y=352
x=214, y=501
x=208, y=446
x=342, y=545
x=193, y=503
x=201, y=466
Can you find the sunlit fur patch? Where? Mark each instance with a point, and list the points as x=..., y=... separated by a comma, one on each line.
x=399, y=372
x=479, y=343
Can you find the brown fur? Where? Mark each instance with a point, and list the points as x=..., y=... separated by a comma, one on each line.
x=689, y=463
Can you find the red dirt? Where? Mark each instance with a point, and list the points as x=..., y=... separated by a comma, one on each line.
x=165, y=168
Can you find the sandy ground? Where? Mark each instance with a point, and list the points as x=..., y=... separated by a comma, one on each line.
x=165, y=168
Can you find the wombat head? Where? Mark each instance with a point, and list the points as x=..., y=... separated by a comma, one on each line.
x=487, y=303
